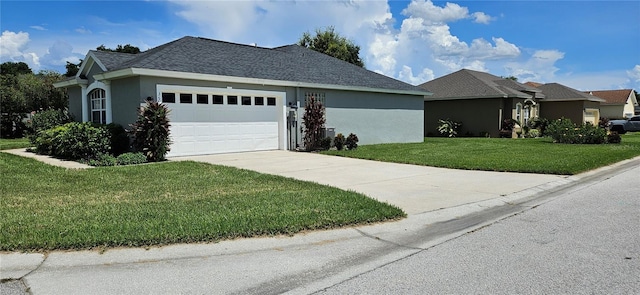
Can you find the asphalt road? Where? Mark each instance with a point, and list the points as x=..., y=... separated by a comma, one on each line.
x=585, y=241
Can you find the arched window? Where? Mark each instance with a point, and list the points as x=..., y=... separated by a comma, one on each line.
x=98, y=106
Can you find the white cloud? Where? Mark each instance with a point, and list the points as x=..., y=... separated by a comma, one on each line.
x=634, y=75
x=83, y=30
x=406, y=74
x=433, y=14
x=481, y=18
x=14, y=47
x=540, y=67
x=39, y=28
x=59, y=53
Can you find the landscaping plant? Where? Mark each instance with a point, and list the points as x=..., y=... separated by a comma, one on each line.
x=74, y=141
x=151, y=131
x=46, y=119
x=351, y=142
x=313, y=120
x=448, y=127
x=339, y=141
x=565, y=131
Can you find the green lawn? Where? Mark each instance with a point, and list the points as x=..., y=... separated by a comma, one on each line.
x=8, y=144
x=538, y=155
x=45, y=207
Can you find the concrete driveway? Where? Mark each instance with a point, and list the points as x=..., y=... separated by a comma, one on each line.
x=415, y=189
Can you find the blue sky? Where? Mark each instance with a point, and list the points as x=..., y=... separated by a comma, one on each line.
x=587, y=45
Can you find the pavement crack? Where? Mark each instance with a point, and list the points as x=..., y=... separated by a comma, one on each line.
x=387, y=241
x=46, y=256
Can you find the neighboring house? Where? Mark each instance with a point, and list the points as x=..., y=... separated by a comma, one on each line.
x=227, y=97
x=562, y=101
x=618, y=104
x=479, y=100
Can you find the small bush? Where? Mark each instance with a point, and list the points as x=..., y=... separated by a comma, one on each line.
x=339, y=141
x=533, y=133
x=313, y=120
x=448, y=127
x=119, y=139
x=73, y=141
x=131, y=159
x=506, y=131
x=540, y=124
x=564, y=131
x=614, y=137
x=325, y=143
x=603, y=123
x=103, y=160
x=151, y=131
x=351, y=142
x=47, y=119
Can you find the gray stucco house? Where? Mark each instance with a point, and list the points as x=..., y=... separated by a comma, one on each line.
x=227, y=97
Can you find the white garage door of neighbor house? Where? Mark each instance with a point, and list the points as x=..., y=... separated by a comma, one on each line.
x=219, y=120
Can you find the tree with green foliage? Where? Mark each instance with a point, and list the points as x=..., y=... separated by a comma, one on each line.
x=72, y=69
x=14, y=68
x=333, y=44
x=122, y=49
x=22, y=91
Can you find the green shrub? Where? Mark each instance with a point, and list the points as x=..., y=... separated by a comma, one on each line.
x=540, y=124
x=131, y=159
x=339, y=141
x=47, y=140
x=47, y=119
x=151, y=131
x=325, y=143
x=103, y=160
x=351, y=142
x=119, y=139
x=564, y=131
x=448, y=127
x=533, y=133
x=73, y=141
x=614, y=137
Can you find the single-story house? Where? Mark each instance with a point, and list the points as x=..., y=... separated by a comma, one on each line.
x=562, y=101
x=479, y=100
x=227, y=97
x=618, y=104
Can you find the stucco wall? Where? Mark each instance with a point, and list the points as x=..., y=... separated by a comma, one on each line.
x=477, y=115
x=374, y=117
x=75, y=102
x=125, y=100
x=612, y=111
x=573, y=110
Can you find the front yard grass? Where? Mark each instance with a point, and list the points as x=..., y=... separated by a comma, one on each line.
x=45, y=207
x=8, y=144
x=539, y=155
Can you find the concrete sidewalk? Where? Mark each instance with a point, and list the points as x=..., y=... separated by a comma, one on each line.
x=47, y=159
x=415, y=189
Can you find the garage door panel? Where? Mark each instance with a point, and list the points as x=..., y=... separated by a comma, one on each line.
x=209, y=138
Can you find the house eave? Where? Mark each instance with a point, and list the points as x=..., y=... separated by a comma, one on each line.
x=70, y=82
x=130, y=72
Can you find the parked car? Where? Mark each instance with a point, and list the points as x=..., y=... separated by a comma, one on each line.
x=623, y=126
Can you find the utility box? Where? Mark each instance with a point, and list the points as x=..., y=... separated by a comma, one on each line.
x=330, y=132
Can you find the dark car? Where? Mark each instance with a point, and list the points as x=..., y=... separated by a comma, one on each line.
x=623, y=126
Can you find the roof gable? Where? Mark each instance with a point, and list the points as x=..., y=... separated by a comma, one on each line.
x=473, y=84
x=614, y=97
x=287, y=63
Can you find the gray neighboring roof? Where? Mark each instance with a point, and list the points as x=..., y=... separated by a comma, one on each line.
x=469, y=84
x=111, y=60
x=287, y=63
x=559, y=92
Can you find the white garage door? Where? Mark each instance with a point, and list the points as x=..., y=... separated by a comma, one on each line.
x=217, y=120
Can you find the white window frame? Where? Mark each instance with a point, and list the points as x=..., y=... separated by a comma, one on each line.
x=518, y=112
x=98, y=103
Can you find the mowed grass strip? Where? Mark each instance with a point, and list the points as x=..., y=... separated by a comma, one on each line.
x=532, y=155
x=8, y=144
x=45, y=207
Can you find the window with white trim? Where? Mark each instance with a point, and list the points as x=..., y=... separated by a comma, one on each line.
x=98, y=100
x=518, y=112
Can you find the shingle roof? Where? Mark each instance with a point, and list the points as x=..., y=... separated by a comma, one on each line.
x=612, y=97
x=533, y=84
x=287, y=63
x=473, y=84
x=112, y=59
x=559, y=92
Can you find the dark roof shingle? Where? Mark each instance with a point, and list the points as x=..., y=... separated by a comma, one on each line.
x=473, y=84
x=287, y=63
x=559, y=92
